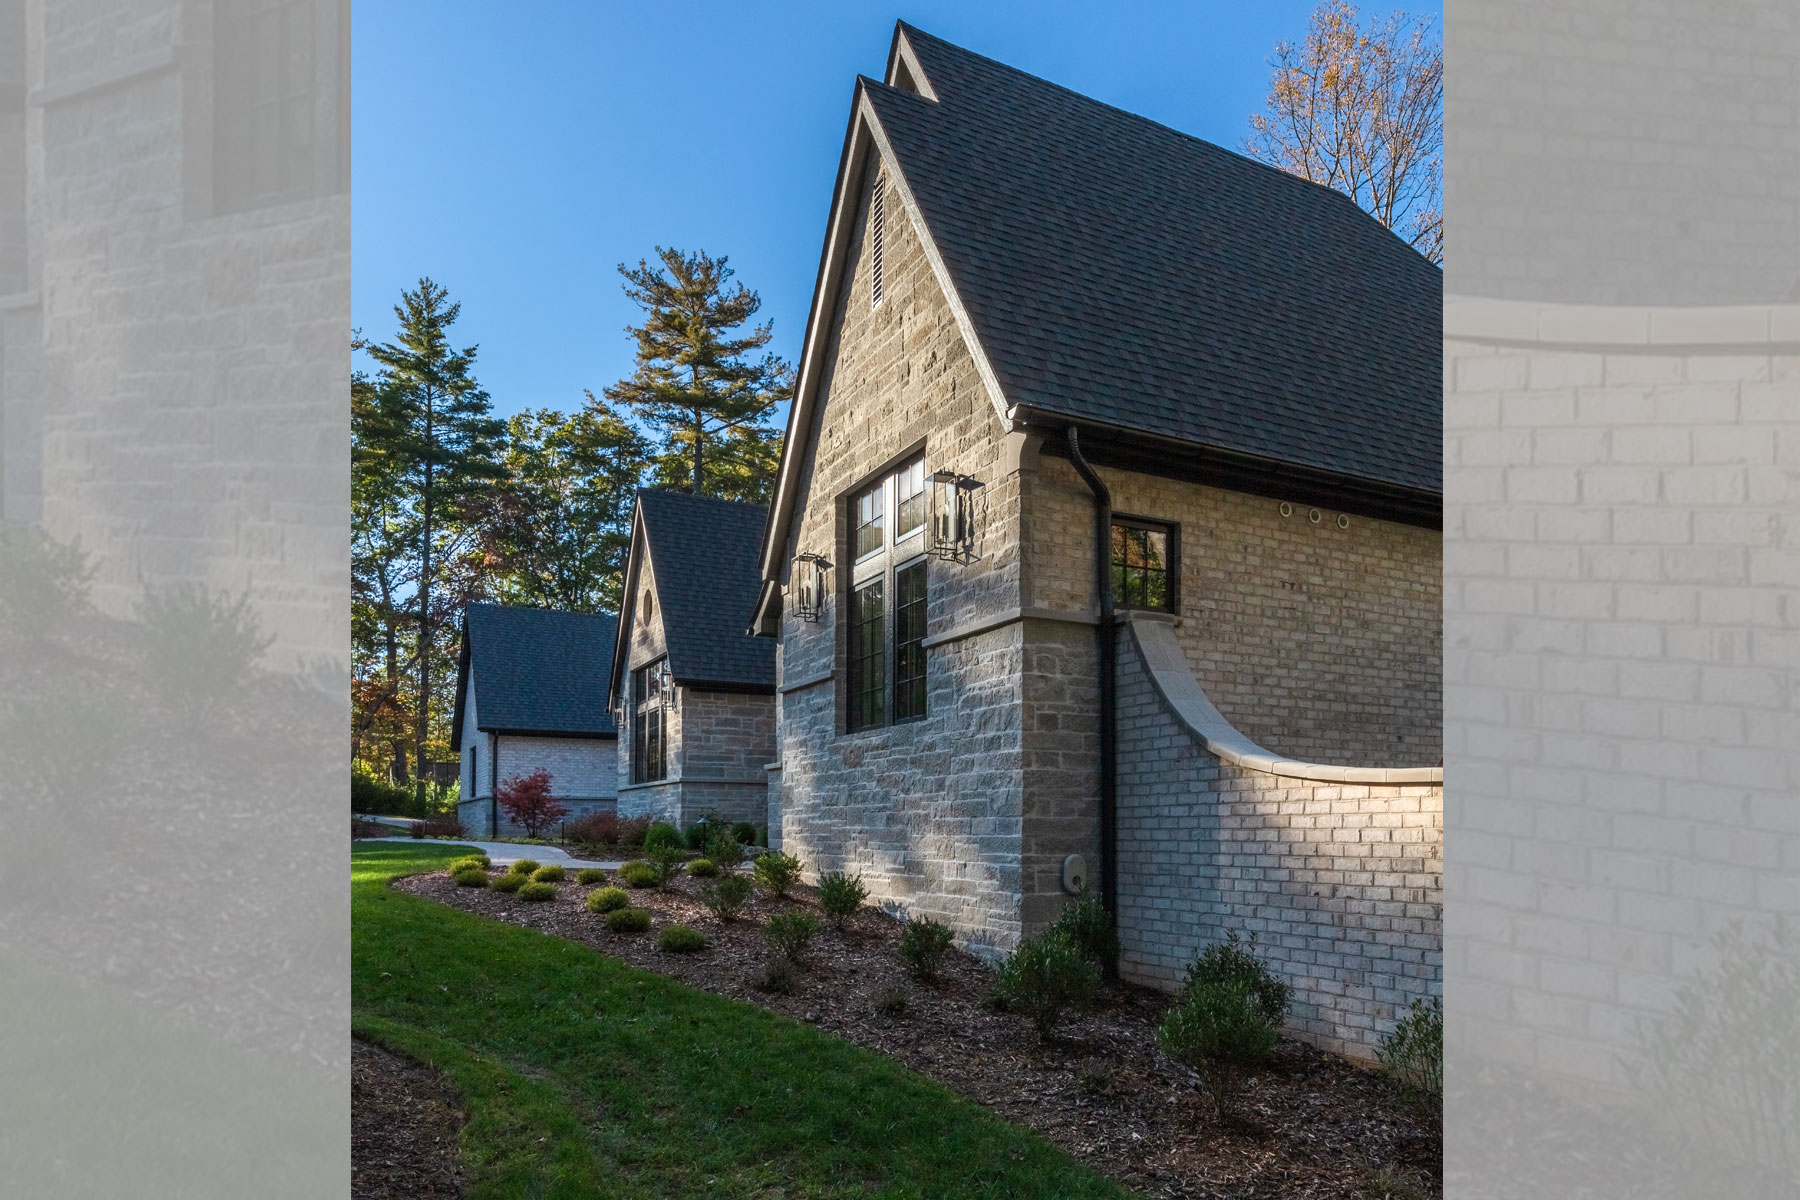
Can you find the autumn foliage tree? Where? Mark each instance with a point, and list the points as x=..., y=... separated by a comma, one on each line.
x=527, y=800
x=1359, y=107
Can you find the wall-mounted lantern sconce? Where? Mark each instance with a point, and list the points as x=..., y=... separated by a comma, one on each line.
x=808, y=589
x=953, y=516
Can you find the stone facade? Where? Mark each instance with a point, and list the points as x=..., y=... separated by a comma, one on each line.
x=719, y=743
x=1341, y=884
x=1322, y=640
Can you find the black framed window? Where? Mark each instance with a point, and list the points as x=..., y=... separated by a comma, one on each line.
x=1143, y=564
x=909, y=641
x=871, y=515
x=868, y=655
x=650, y=695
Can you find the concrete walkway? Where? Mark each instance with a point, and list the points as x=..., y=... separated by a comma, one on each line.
x=502, y=853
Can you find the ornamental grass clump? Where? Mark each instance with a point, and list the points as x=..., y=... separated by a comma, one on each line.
x=471, y=877
x=538, y=892
x=608, y=899
x=1090, y=927
x=923, y=944
x=725, y=896
x=510, y=881
x=840, y=895
x=1046, y=978
x=638, y=874
x=590, y=875
x=703, y=868
x=549, y=873
x=789, y=934
x=681, y=939
x=1218, y=1027
x=776, y=873
x=1412, y=1054
x=628, y=920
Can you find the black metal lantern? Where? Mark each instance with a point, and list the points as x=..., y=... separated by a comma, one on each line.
x=952, y=516
x=808, y=589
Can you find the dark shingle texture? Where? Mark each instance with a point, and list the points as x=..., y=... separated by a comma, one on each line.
x=540, y=671
x=704, y=555
x=1118, y=270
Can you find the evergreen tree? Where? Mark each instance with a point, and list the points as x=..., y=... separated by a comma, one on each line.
x=382, y=535
x=557, y=532
x=428, y=422
x=695, y=383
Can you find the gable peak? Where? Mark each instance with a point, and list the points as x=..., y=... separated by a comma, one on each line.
x=903, y=70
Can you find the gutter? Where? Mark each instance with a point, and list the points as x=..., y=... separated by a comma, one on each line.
x=1107, y=642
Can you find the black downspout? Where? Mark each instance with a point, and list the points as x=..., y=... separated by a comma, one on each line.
x=493, y=785
x=1107, y=635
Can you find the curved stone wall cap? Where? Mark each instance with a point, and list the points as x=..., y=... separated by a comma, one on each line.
x=1168, y=667
x=1717, y=329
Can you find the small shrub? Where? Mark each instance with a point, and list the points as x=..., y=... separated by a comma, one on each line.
x=726, y=896
x=892, y=1002
x=698, y=833
x=664, y=834
x=548, y=873
x=638, y=874
x=590, y=875
x=1046, y=977
x=608, y=899
x=471, y=877
x=1412, y=1055
x=762, y=836
x=1090, y=927
x=665, y=861
x=508, y=881
x=725, y=851
x=628, y=920
x=1095, y=1077
x=681, y=939
x=633, y=831
x=840, y=895
x=537, y=892
x=369, y=829
x=1235, y=960
x=415, y=829
x=524, y=866
x=776, y=873
x=923, y=944
x=788, y=934
x=703, y=868
x=1221, y=1029
x=443, y=827
x=467, y=860
x=744, y=833
x=527, y=800
x=595, y=829
x=777, y=975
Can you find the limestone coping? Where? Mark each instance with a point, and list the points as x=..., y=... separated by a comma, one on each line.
x=1751, y=329
x=1167, y=663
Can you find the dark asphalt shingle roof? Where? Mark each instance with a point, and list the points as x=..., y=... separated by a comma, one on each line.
x=537, y=670
x=1121, y=271
x=704, y=554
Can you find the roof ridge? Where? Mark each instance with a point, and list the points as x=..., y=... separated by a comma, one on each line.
x=691, y=496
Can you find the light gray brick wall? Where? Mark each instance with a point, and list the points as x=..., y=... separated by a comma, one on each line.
x=1340, y=884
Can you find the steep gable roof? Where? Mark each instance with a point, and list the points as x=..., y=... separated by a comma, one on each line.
x=703, y=557
x=535, y=671
x=1116, y=274
x=1117, y=270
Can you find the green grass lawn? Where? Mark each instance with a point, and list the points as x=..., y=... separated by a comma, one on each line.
x=584, y=1077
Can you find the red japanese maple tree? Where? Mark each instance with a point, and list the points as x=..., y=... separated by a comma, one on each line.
x=527, y=800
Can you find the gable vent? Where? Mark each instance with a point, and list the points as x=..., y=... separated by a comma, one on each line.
x=877, y=228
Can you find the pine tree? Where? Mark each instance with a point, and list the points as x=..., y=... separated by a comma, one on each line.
x=428, y=420
x=694, y=383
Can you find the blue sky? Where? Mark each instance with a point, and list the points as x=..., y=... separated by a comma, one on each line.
x=517, y=159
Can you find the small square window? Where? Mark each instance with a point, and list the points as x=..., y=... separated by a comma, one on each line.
x=1142, y=562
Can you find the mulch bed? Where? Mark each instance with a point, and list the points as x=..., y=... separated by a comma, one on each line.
x=404, y=1122
x=1311, y=1125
